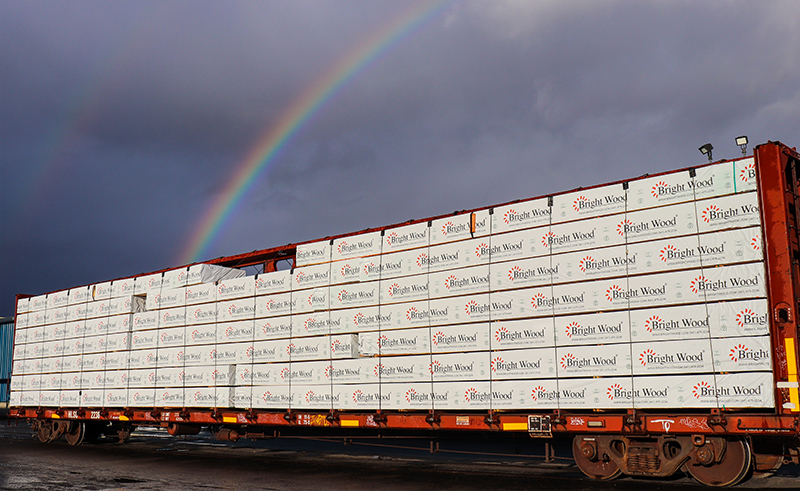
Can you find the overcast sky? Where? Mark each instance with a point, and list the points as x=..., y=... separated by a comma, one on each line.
x=121, y=121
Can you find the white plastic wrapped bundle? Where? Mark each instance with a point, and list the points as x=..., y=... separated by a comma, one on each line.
x=211, y=273
x=80, y=295
x=458, y=227
x=313, y=253
x=461, y=338
x=394, y=342
x=356, y=246
x=274, y=282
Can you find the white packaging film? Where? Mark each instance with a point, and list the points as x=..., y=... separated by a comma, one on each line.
x=588, y=203
x=459, y=367
x=673, y=357
x=239, y=309
x=364, y=269
x=406, y=237
x=176, y=278
x=57, y=300
x=459, y=227
x=313, y=300
x=582, y=361
x=166, y=298
x=275, y=304
x=531, y=363
x=23, y=304
x=311, y=276
x=658, y=311
x=405, y=289
x=233, y=331
x=273, y=282
x=526, y=214
x=242, y=287
x=356, y=246
x=354, y=295
x=394, y=342
x=272, y=327
x=313, y=253
x=460, y=338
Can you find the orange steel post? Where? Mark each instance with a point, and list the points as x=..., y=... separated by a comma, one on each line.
x=778, y=185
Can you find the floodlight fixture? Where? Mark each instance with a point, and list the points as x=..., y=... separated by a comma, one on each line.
x=742, y=142
x=706, y=150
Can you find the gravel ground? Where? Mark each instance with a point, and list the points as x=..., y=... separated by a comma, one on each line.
x=153, y=460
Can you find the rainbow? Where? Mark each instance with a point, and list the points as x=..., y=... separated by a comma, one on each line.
x=294, y=118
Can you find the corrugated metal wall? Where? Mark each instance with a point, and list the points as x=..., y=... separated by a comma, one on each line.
x=6, y=350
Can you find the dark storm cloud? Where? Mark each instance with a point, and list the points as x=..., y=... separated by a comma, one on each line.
x=122, y=120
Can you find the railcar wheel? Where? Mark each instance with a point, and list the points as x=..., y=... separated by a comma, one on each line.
x=766, y=465
x=124, y=433
x=728, y=470
x=50, y=431
x=75, y=433
x=592, y=460
x=59, y=428
x=768, y=455
x=44, y=431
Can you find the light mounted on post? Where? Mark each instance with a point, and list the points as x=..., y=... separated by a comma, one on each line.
x=706, y=150
x=742, y=142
